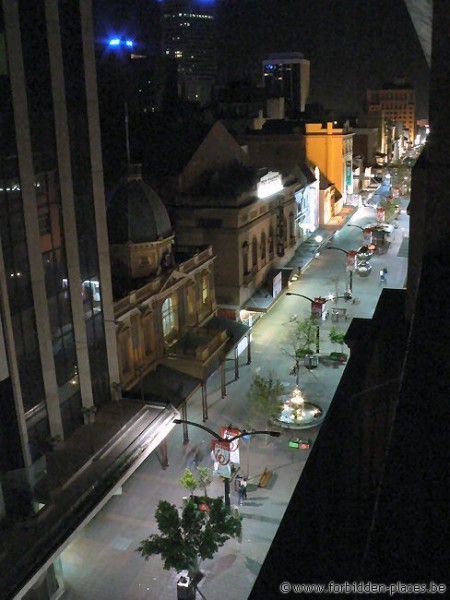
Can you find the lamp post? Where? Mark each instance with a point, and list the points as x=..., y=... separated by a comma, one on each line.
x=350, y=254
x=316, y=304
x=228, y=440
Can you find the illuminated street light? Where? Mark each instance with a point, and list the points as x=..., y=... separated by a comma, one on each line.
x=244, y=433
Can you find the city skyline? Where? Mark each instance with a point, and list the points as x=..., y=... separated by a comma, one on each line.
x=352, y=47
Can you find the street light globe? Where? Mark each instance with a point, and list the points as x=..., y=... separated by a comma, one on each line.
x=319, y=239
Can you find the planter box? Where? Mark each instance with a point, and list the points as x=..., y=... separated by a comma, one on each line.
x=302, y=444
x=338, y=356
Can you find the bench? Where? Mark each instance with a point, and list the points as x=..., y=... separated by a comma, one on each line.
x=265, y=478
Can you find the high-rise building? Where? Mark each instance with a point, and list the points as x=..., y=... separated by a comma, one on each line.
x=189, y=36
x=286, y=75
x=58, y=357
x=395, y=101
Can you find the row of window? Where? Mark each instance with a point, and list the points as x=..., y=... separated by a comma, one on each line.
x=266, y=244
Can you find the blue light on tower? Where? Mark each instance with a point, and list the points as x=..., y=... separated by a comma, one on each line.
x=117, y=42
x=203, y=2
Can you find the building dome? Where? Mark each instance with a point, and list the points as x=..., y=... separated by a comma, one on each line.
x=136, y=214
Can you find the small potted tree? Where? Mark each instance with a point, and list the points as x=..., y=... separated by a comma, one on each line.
x=189, y=481
x=303, y=335
x=188, y=536
x=205, y=478
x=337, y=337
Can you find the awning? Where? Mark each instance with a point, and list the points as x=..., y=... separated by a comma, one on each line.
x=264, y=298
x=236, y=330
x=164, y=386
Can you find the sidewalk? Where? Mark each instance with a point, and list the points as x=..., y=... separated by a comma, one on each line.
x=306, y=252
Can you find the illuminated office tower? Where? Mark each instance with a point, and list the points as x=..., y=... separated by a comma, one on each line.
x=286, y=75
x=58, y=356
x=188, y=35
x=394, y=102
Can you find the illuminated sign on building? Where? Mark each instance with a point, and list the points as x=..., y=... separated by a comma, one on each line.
x=269, y=184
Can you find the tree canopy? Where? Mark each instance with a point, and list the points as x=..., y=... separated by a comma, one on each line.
x=190, y=535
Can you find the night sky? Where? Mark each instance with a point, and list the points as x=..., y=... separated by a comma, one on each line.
x=352, y=44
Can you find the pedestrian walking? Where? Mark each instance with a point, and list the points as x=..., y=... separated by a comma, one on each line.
x=383, y=275
x=242, y=490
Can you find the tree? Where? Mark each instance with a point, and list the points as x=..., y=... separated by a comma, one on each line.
x=205, y=478
x=189, y=481
x=190, y=536
x=302, y=336
x=263, y=395
x=337, y=337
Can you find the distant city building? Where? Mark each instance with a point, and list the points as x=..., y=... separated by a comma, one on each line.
x=189, y=36
x=395, y=101
x=286, y=75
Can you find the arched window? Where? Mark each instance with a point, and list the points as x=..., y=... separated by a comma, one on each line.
x=263, y=245
x=169, y=318
x=254, y=252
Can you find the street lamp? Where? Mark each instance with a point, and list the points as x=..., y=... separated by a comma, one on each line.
x=358, y=226
x=316, y=304
x=228, y=440
x=350, y=254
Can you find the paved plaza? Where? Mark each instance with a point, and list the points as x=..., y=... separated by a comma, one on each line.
x=102, y=562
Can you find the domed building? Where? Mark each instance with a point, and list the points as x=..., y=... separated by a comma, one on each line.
x=140, y=232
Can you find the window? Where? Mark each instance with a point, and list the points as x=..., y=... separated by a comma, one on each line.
x=245, y=257
x=169, y=318
x=263, y=245
x=44, y=223
x=191, y=304
x=271, y=242
x=291, y=227
x=205, y=287
x=254, y=253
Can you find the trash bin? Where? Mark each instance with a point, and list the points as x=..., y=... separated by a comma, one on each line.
x=334, y=316
x=185, y=589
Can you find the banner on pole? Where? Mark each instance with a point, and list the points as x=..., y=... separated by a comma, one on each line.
x=222, y=465
x=227, y=433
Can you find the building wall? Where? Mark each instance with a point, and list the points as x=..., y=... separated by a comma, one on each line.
x=331, y=149
x=234, y=235
x=152, y=319
x=56, y=300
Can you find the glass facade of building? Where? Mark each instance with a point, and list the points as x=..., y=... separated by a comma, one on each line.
x=47, y=208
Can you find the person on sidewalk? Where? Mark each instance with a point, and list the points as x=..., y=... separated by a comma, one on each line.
x=242, y=490
x=383, y=273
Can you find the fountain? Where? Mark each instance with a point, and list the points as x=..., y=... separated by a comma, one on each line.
x=298, y=413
